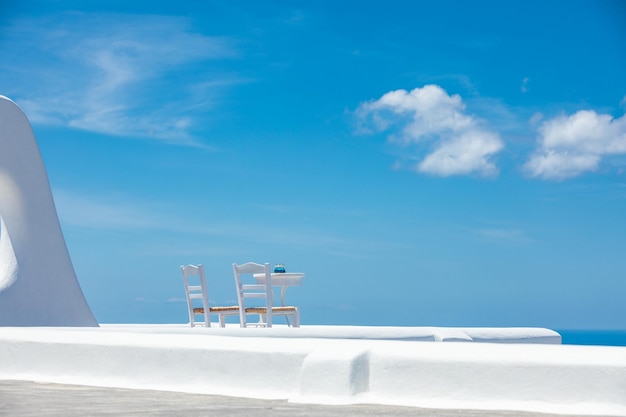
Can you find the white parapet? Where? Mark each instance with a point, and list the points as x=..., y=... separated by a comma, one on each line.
x=534, y=335
x=550, y=378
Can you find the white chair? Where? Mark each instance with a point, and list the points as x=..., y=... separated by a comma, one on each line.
x=259, y=291
x=196, y=289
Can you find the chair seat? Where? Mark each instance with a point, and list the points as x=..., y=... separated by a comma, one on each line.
x=200, y=310
x=196, y=291
x=263, y=310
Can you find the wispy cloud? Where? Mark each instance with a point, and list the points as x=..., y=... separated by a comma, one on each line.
x=112, y=212
x=111, y=73
x=457, y=143
x=503, y=235
x=569, y=146
x=524, y=86
x=115, y=212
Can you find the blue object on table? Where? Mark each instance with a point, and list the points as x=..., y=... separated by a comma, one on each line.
x=279, y=268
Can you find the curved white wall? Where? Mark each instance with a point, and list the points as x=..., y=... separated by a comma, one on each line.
x=38, y=285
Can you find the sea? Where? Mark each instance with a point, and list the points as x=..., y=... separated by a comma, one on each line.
x=593, y=337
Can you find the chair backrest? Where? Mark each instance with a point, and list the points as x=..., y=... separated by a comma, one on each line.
x=263, y=292
x=196, y=289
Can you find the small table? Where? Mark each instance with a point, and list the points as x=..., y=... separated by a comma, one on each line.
x=283, y=280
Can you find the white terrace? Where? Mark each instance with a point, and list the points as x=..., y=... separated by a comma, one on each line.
x=48, y=333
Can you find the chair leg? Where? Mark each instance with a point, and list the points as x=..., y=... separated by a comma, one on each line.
x=222, y=320
x=296, y=319
x=190, y=310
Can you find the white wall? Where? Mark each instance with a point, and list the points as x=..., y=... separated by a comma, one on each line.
x=527, y=377
x=38, y=286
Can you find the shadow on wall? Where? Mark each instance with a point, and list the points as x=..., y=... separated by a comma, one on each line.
x=8, y=263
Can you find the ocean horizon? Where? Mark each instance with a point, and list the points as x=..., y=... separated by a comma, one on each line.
x=593, y=337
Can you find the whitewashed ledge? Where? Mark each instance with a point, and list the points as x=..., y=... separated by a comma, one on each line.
x=406, y=333
x=330, y=365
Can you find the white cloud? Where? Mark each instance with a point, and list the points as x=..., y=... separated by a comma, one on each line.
x=464, y=154
x=428, y=115
x=112, y=73
x=572, y=145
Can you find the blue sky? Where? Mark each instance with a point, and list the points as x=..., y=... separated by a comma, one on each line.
x=425, y=163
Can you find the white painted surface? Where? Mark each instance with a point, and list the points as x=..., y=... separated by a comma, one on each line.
x=529, y=377
x=38, y=286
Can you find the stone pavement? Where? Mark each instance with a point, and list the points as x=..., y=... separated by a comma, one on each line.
x=32, y=399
